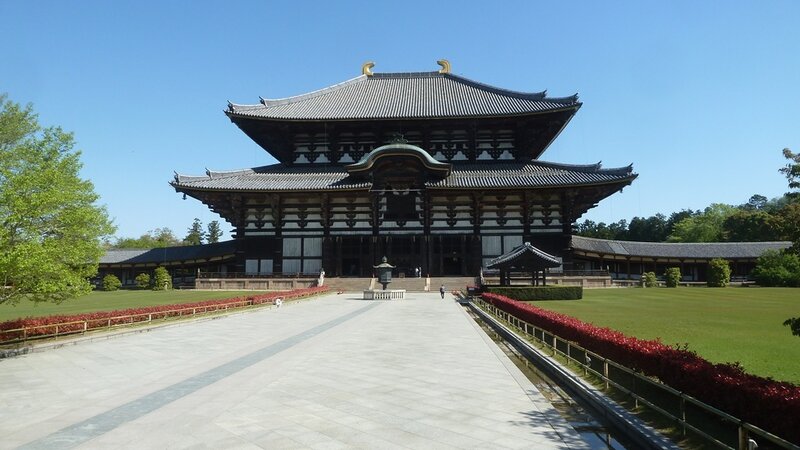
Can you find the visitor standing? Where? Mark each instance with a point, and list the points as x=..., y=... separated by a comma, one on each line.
x=441, y=290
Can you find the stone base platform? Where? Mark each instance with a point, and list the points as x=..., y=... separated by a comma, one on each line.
x=388, y=294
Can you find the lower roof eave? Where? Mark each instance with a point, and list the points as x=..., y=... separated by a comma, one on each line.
x=621, y=184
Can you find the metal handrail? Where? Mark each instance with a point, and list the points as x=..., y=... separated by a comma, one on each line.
x=744, y=429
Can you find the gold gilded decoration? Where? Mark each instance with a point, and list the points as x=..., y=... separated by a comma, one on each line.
x=445, y=65
x=366, y=69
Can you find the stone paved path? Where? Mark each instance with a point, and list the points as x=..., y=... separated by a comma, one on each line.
x=336, y=372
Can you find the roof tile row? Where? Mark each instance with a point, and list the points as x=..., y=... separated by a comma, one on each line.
x=404, y=95
x=500, y=175
x=677, y=250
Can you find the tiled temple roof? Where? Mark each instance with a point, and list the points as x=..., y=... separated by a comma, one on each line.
x=532, y=174
x=168, y=254
x=677, y=250
x=418, y=95
x=525, y=255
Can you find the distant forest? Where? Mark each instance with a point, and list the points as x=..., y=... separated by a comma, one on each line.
x=760, y=219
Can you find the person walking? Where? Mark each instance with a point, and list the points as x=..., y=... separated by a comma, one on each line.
x=441, y=290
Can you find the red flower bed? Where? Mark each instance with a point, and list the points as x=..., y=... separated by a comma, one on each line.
x=769, y=404
x=76, y=322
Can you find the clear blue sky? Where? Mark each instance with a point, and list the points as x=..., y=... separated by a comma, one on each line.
x=700, y=96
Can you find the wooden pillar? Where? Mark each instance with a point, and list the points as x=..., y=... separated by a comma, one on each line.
x=240, y=254
x=463, y=255
x=426, y=255
x=476, y=213
x=526, y=216
x=628, y=263
x=372, y=249
x=337, y=255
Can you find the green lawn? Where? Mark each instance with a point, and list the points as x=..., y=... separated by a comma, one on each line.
x=108, y=301
x=721, y=324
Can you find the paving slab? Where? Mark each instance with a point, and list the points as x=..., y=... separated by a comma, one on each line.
x=335, y=372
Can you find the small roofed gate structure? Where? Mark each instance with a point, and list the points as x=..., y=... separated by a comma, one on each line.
x=524, y=258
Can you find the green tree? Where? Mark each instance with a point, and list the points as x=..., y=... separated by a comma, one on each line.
x=158, y=238
x=162, y=280
x=672, y=276
x=616, y=230
x=51, y=228
x=788, y=222
x=756, y=203
x=650, y=229
x=746, y=225
x=775, y=268
x=214, y=232
x=719, y=273
x=649, y=279
x=111, y=282
x=195, y=233
x=677, y=217
x=705, y=227
x=142, y=280
x=792, y=169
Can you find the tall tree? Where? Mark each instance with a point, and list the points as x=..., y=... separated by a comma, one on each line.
x=158, y=238
x=651, y=229
x=792, y=169
x=750, y=225
x=756, y=203
x=677, y=217
x=214, y=232
x=705, y=227
x=195, y=233
x=51, y=229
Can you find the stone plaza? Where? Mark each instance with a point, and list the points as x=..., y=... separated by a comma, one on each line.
x=331, y=372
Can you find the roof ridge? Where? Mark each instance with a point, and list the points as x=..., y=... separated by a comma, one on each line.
x=431, y=74
x=597, y=167
x=542, y=95
x=226, y=173
x=266, y=102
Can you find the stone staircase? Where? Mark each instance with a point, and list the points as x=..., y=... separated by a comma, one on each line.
x=409, y=284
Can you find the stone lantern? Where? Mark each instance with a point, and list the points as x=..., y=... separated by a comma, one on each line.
x=384, y=271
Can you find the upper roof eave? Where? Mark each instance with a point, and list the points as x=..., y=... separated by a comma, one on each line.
x=575, y=107
x=421, y=95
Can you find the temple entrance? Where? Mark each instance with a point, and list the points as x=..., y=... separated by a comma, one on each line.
x=404, y=252
x=354, y=257
x=449, y=255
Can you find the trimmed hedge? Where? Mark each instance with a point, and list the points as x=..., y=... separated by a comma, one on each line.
x=764, y=402
x=529, y=293
x=111, y=283
x=719, y=273
x=672, y=276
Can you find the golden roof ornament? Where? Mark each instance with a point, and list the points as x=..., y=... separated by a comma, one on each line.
x=445, y=65
x=366, y=69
